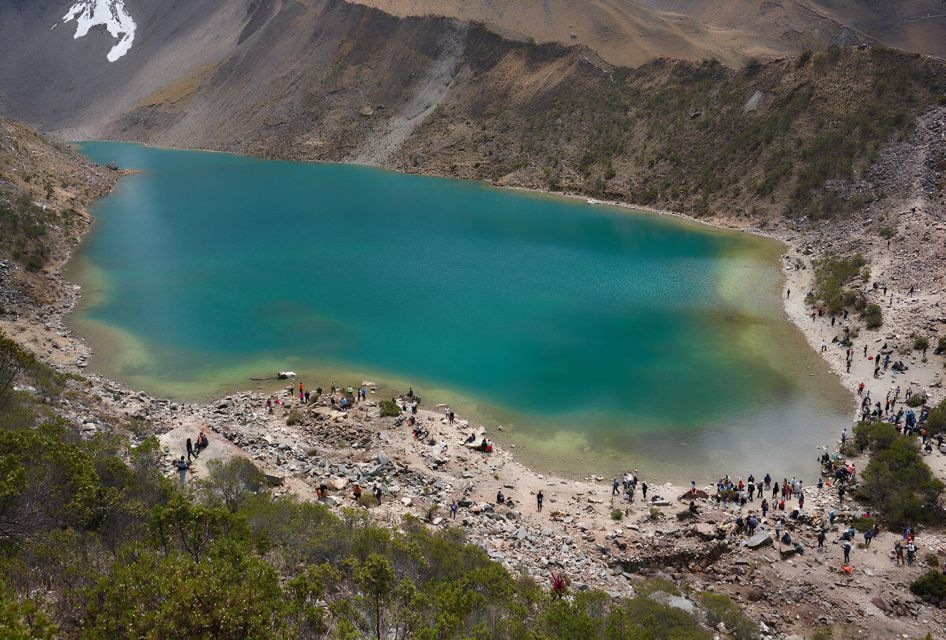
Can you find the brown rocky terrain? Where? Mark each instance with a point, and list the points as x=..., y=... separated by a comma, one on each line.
x=634, y=32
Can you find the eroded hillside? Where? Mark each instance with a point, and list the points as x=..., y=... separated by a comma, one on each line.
x=634, y=32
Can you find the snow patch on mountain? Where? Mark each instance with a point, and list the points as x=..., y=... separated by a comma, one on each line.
x=109, y=13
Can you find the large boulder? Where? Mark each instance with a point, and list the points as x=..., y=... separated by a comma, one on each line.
x=705, y=531
x=759, y=540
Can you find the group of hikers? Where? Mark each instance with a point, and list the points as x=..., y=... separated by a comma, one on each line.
x=193, y=451
x=339, y=397
x=737, y=494
x=627, y=487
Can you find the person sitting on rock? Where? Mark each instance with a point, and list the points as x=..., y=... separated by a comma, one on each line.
x=500, y=499
x=693, y=508
x=322, y=491
x=356, y=491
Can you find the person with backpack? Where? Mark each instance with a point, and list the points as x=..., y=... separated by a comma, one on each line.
x=181, y=470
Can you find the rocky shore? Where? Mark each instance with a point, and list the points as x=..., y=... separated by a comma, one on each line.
x=583, y=531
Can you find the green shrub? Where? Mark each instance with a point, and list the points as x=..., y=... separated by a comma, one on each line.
x=295, y=417
x=647, y=586
x=932, y=560
x=832, y=276
x=921, y=343
x=863, y=524
x=22, y=619
x=824, y=633
x=930, y=587
x=874, y=435
x=721, y=609
x=389, y=409
x=873, y=316
x=936, y=422
x=617, y=514
x=916, y=400
x=900, y=485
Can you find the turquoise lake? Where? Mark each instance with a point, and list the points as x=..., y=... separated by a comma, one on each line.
x=601, y=339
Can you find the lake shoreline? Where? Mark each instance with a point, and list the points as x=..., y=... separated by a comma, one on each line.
x=576, y=533
x=739, y=290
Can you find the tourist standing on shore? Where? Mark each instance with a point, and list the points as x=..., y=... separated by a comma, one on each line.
x=181, y=470
x=538, y=501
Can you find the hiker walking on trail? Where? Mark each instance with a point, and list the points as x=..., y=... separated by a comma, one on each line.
x=181, y=470
x=898, y=552
x=821, y=539
x=190, y=450
x=538, y=500
x=644, y=490
x=847, y=553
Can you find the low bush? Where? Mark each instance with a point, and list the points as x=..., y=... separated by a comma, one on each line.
x=617, y=514
x=721, y=609
x=936, y=422
x=389, y=409
x=930, y=587
x=295, y=417
x=832, y=277
x=897, y=482
x=916, y=400
x=863, y=524
x=873, y=316
x=921, y=343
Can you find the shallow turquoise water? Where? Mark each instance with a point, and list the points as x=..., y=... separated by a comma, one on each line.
x=595, y=335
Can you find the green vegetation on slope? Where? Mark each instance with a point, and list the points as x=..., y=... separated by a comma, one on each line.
x=96, y=543
x=788, y=137
x=23, y=230
x=897, y=482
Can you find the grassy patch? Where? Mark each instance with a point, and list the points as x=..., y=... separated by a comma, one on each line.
x=833, y=278
x=389, y=409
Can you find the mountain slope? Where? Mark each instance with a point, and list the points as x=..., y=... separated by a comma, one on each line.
x=634, y=32
x=330, y=80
